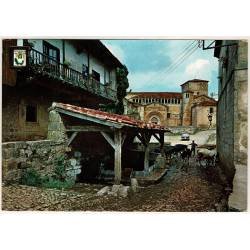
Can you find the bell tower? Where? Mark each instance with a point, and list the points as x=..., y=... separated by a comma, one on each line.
x=190, y=90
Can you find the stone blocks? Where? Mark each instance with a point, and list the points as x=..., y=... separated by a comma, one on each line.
x=39, y=155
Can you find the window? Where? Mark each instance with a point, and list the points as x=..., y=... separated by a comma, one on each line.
x=96, y=75
x=31, y=113
x=51, y=51
x=168, y=115
x=211, y=110
x=187, y=95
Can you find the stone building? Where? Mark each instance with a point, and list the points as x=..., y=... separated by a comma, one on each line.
x=232, y=116
x=79, y=72
x=190, y=107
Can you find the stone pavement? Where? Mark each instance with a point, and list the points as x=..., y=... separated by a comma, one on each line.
x=184, y=188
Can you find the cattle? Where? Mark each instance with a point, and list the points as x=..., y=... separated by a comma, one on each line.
x=172, y=151
x=206, y=157
x=186, y=154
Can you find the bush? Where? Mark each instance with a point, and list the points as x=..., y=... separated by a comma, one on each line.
x=60, y=165
x=31, y=177
x=58, y=180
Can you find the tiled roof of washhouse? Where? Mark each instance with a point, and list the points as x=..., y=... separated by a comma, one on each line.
x=121, y=120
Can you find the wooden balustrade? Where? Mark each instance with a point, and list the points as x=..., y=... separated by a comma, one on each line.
x=47, y=65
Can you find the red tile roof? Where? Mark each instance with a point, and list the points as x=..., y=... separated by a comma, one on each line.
x=206, y=103
x=206, y=96
x=157, y=94
x=120, y=119
x=194, y=80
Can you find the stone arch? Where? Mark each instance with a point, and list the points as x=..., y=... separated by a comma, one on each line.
x=155, y=120
x=157, y=115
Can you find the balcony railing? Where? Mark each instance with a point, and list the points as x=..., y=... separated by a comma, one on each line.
x=45, y=65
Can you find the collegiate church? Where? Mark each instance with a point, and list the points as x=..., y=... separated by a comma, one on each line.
x=190, y=107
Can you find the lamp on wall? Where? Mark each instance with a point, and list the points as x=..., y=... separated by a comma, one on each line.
x=210, y=118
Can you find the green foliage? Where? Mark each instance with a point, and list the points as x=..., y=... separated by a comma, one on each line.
x=67, y=63
x=110, y=107
x=31, y=177
x=51, y=182
x=122, y=82
x=60, y=165
x=122, y=85
x=58, y=180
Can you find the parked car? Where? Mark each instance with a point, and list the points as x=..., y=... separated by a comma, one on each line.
x=185, y=137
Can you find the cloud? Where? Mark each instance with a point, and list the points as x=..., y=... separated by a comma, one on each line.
x=148, y=61
x=155, y=81
x=117, y=51
x=140, y=55
x=198, y=69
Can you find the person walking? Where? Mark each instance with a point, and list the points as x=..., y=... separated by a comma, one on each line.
x=193, y=147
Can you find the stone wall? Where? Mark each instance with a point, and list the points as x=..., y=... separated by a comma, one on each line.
x=39, y=155
x=160, y=111
x=15, y=99
x=183, y=129
x=190, y=91
x=200, y=117
x=232, y=119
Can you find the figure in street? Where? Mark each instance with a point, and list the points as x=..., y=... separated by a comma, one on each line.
x=193, y=147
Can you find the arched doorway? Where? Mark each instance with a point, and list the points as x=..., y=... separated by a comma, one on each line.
x=155, y=120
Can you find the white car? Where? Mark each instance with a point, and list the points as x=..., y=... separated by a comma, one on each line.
x=185, y=137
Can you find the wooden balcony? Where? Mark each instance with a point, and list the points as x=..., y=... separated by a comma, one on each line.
x=42, y=64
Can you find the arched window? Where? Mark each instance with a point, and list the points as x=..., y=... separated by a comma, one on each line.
x=155, y=120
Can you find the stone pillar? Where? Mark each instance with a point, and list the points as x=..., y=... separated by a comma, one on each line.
x=56, y=127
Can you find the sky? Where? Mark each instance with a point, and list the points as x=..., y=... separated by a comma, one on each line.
x=162, y=65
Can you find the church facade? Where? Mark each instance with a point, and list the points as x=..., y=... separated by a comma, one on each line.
x=190, y=107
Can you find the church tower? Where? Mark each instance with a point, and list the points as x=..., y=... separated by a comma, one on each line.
x=190, y=90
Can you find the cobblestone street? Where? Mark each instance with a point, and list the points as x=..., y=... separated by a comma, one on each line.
x=184, y=188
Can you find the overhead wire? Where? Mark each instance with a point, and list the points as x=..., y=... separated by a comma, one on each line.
x=185, y=58
x=182, y=55
x=185, y=52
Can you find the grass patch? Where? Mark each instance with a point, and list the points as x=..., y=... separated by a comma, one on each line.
x=58, y=184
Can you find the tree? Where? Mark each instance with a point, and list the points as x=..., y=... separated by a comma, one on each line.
x=122, y=85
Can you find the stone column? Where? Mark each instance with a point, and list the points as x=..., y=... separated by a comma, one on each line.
x=56, y=127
